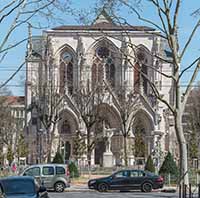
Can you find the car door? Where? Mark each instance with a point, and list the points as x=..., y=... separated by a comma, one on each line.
x=136, y=178
x=48, y=174
x=120, y=180
x=35, y=172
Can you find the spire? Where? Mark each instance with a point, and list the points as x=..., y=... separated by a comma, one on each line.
x=103, y=17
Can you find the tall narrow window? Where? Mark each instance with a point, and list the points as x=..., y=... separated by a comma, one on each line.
x=66, y=72
x=103, y=65
x=62, y=78
x=144, y=79
x=65, y=128
x=141, y=73
x=137, y=78
x=110, y=72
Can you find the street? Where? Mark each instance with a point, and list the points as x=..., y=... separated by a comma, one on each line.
x=94, y=194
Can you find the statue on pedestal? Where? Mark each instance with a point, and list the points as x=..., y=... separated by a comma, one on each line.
x=109, y=135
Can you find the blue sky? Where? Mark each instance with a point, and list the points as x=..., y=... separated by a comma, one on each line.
x=17, y=55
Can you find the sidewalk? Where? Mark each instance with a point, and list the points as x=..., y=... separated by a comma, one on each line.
x=78, y=188
x=84, y=188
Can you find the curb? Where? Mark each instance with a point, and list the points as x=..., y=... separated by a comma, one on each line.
x=170, y=190
x=79, y=190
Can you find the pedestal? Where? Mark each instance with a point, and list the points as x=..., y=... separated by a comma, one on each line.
x=131, y=160
x=107, y=159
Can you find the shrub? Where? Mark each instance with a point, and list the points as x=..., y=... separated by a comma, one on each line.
x=149, y=166
x=169, y=166
x=73, y=170
x=58, y=159
x=169, y=169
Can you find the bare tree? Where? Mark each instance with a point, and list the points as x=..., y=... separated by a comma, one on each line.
x=7, y=123
x=168, y=13
x=88, y=103
x=127, y=108
x=191, y=121
x=16, y=14
x=47, y=101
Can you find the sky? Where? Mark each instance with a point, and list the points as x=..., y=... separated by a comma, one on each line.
x=17, y=55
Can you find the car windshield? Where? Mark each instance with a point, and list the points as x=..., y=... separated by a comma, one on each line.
x=18, y=187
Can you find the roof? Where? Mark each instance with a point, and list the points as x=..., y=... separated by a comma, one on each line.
x=15, y=100
x=104, y=27
x=104, y=22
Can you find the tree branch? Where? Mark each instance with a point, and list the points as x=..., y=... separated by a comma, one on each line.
x=189, y=87
x=184, y=70
x=8, y=5
x=141, y=18
x=12, y=76
x=190, y=39
x=12, y=10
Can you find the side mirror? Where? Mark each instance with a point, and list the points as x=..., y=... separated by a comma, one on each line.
x=42, y=189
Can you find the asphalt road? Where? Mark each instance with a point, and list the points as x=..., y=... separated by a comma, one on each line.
x=112, y=195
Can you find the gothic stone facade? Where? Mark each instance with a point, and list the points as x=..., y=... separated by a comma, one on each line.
x=109, y=56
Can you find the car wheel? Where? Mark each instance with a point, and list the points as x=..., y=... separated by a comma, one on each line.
x=103, y=187
x=147, y=187
x=59, y=187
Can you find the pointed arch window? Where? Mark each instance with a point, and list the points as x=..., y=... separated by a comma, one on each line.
x=140, y=72
x=103, y=66
x=144, y=79
x=66, y=72
x=137, y=78
x=65, y=128
x=110, y=72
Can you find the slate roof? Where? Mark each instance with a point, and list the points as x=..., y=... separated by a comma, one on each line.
x=15, y=100
x=104, y=22
x=104, y=27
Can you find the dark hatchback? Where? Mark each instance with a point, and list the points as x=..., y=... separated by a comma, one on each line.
x=128, y=180
x=21, y=187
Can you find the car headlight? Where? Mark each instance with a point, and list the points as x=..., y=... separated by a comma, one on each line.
x=92, y=182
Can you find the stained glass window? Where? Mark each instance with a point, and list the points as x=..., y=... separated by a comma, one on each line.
x=66, y=72
x=65, y=129
x=106, y=66
x=103, y=52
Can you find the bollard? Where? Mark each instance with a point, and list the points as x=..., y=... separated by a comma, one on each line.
x=190, y=190
x=183, y=190
x=198, y=190
x=180, y=192
x=185, y=187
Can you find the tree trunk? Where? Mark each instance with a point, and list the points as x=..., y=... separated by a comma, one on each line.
x=89, y=152
x=183, y=164
x=179, y=108
x=125, y=151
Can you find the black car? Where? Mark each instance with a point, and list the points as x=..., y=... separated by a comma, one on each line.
x=128, y=180
x=21, y=187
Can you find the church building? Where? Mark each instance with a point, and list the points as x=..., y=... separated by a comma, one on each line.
x=107, y=70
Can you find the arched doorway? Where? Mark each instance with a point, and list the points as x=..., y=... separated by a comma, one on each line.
x=67, y=127
x=66, y=150
x=109, y=121
x=143, y=137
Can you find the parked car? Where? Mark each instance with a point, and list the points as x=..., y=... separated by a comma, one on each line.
x=52, y=176
x=128, y=180
x=21, y=187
